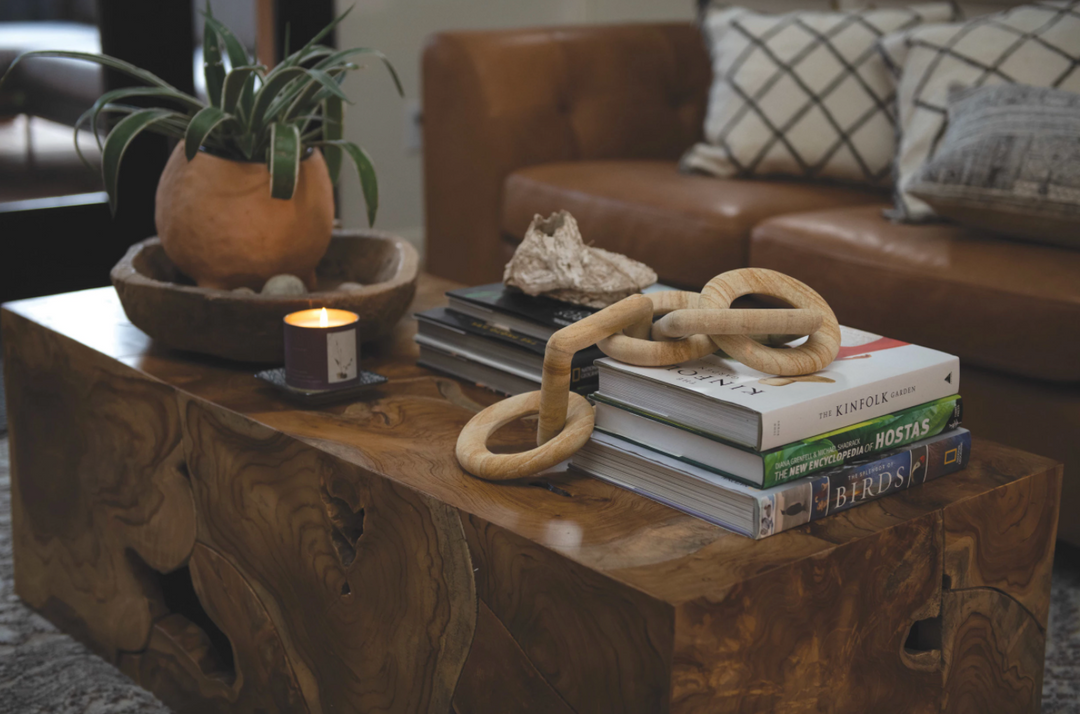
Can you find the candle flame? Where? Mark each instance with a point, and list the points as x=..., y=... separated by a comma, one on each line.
x=324, y=319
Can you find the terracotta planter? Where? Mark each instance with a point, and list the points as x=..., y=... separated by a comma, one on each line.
x=219, y=225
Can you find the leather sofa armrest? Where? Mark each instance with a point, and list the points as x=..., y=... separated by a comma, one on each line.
x=497, y=101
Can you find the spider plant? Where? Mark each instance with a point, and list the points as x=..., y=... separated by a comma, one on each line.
x=274, y=116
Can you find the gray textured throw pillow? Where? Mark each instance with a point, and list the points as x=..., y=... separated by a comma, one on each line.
x=1036, y=44
x=1009, y=162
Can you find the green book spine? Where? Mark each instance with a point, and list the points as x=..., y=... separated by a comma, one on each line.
x=842, y=446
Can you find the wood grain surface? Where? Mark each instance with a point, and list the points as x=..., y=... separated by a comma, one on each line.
x=602, y=646
x=632, y=344
x=181, y=660
x=340, y=559
x=812, y=356
x=993, y=653
x=99, y=497
x=499, y=676
x=826, y=634
x=346, y=547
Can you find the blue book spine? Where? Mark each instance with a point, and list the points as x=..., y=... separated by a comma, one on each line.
x=847, y=486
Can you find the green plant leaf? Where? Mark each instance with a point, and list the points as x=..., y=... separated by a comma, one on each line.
x=238, y=80
x=238, y=56
x=338, y=57
x=333, y=129
x=174, y=124
x=278, y=92
x=83, y=118
x=119, y=139
x=319, y=81
x=200, y=127
x=213, y=68
x=273, y=84
x=124, y=92
x=285, y=149
x=297, y=56
x=103, y=60
x=366, y=169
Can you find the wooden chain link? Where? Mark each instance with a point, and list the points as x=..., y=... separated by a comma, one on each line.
x=692, y=326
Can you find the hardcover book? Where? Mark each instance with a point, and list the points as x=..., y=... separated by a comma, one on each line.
x=759, y=513
x=495, y=304
x=479, y=374
x=498, y=348
x=872, y=376
x=784, y=463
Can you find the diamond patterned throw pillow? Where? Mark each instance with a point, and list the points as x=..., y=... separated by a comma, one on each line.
x=1036, y=44
x=803, y=94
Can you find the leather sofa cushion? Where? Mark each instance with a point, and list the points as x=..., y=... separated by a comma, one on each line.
x=996, y=303
x=687, y=228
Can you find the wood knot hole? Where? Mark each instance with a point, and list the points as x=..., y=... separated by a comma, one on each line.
x=924, y=636
x=190, y=625
x=346, y=526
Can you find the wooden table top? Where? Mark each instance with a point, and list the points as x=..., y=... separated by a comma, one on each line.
x=406, y=431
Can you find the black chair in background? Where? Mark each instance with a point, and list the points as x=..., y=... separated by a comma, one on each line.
x=64, y=243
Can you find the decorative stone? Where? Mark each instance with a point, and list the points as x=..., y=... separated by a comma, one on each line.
x=244, y=291
x=554, y=261
x=350, y=286
x=284, y=285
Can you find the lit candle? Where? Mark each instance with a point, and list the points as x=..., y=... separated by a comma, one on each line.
x=322, y=349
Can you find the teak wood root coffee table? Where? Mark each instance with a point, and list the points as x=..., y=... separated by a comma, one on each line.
x=234, y=553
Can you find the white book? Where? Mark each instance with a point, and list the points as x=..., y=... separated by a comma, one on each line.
x=871, y=376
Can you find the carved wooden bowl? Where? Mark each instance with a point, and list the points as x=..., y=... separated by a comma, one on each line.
x=166, y=305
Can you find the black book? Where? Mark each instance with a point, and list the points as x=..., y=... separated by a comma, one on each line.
x=503, y=349
x=498, y=305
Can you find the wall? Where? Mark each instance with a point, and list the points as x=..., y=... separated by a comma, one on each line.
x=399, y=28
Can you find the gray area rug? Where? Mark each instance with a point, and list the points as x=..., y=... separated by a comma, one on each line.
x=43, y=671
x=3, y=402
x=1061, y=682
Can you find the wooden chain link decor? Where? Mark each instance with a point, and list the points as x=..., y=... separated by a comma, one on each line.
x=692, y=326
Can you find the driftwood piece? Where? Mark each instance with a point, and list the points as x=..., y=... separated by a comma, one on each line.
x=248, y=327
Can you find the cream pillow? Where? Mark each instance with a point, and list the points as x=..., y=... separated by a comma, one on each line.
x=1036, y=44
x=803, y=94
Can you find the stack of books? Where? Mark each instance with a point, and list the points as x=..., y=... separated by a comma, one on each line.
x=495, y=337
x=758, y=454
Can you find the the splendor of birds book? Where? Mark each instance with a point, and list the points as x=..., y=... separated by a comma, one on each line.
x=762, y=512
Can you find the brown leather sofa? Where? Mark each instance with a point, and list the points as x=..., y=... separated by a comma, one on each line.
x=594, y=119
